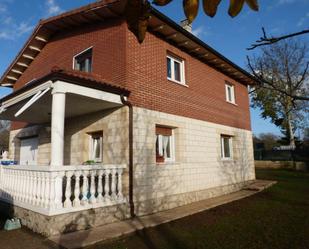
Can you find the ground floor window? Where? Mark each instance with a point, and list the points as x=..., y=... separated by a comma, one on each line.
x=226, y=147
x=96, y=146
x=165, y=150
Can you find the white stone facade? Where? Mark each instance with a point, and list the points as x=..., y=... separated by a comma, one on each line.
x=198, y=165
x=197, y=173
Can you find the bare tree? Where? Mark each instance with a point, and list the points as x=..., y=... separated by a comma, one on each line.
x=268, y=40
x=282, y=92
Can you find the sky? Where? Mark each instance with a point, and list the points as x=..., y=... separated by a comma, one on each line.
x=229, y=36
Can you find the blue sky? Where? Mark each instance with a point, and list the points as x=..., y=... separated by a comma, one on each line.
x=229, y=36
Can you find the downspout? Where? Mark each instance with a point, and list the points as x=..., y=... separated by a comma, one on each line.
x=131, y=202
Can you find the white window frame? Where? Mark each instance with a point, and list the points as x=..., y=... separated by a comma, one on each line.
x=232, y=89
x=80, y=53
x=172, y=147
x=91, y=148
x=182, y=70
x=230, y=138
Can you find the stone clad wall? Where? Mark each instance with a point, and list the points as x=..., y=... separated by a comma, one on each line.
x=198, y=171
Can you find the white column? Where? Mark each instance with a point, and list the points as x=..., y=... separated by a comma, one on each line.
x=57, y=129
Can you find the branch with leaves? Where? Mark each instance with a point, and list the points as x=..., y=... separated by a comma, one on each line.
x=268, y=40
x=138, y=11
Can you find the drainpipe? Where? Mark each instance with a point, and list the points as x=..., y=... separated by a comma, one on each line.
x=131, y=202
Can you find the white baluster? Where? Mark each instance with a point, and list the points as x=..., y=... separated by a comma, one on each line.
x=107, y=197
x=67, y=196
x=31, y=188
x=40, y=188
x=22, y=186
x=100, y=186
x=43, y=191
x=85, y=188
x=120, y=195
x=76, y=201
x=113, y=186
x=92, y=187
x=52, y=194
x=35, y=188
x=58, y=190
x=47, y=189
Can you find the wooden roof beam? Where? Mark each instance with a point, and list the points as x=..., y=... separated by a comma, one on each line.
x=27, y=56
x=7, y=84
x=35, y=48
x=41, y=39
x=22, y=64
x=11, y=78
x=16, y=71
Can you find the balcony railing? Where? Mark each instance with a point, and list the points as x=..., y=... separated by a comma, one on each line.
x=53, y=191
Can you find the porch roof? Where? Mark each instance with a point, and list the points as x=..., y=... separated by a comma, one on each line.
x=76, y=77
x=86, y=93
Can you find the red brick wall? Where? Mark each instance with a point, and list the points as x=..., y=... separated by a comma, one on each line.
x=120, y=59
x=107, y=39
x=203, y=99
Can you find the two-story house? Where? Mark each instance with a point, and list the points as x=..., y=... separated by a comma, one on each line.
x=104, y=128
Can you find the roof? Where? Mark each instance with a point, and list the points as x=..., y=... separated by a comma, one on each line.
x=76, y=77
x=99, y=11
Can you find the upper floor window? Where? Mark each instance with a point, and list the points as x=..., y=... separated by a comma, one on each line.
x=226, y=147
x=96, y=146
x=230, y=93
x=175, y=69
x=83, y=61
x=165, y=149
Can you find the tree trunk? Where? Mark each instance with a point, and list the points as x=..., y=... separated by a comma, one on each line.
x=291, y=132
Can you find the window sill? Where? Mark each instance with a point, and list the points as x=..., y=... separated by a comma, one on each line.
x=232, y=103
x=227, y=159
x=177, y=82
x=166, y=163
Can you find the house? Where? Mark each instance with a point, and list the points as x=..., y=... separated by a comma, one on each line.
x=104, y=128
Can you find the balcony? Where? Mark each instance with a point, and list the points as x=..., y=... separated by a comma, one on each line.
x=53, y=191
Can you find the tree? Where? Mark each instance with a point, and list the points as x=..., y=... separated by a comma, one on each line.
x=282, y=71
x=4, y=135
x=138, y=11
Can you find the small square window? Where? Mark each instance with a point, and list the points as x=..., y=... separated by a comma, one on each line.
x=96, y=147
x=230, y=93
x=83, y=61
x=175, y=69
x=226, y=147
x=165, y=150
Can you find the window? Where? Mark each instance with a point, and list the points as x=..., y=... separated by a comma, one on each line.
x=164, y=144
x=83, y=61
x=226, y=147
x=96, y=146
x=230, y=93
x=175, y=69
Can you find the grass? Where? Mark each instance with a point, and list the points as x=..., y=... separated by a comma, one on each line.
x=275, y=218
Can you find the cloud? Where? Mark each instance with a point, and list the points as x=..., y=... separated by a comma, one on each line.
x=11, y=29
x=200, y=31
x=52, y=7
x=302, y=20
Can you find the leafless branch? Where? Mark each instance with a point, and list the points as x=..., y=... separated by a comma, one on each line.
x=267, y=84
x=266, y=40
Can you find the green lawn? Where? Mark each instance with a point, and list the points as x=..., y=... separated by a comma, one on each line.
x=275, y=218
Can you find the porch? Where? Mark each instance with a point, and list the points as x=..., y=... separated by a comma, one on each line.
x=54, y=187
